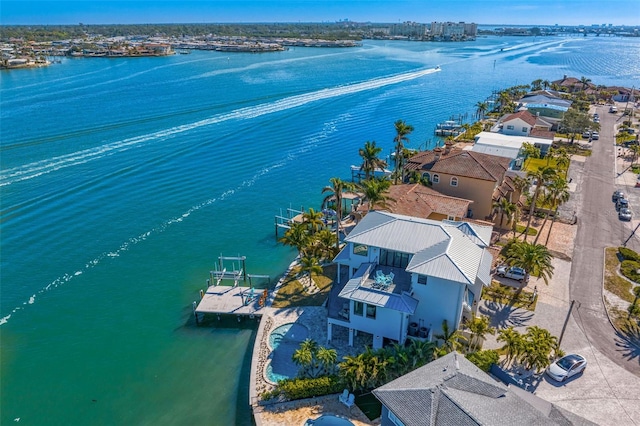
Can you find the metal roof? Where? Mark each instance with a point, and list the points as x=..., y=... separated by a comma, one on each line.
x=451, y=250
x=398, y=302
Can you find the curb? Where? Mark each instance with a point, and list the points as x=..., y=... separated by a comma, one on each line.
x=604, y=302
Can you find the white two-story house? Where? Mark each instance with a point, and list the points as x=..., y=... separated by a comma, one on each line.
x=405, y=275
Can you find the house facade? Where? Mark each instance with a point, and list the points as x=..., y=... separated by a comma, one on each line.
x=463, y=174
x=404, y=275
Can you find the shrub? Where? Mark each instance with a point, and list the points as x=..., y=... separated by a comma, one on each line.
x=629, y=269
x=628, y=254
x=293, y=389
x=484, y=359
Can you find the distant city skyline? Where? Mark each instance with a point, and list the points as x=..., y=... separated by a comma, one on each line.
x=487, y=12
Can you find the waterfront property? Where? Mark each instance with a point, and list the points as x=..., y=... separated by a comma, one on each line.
x=405, y=276
x=463, y=174
x=452, y=390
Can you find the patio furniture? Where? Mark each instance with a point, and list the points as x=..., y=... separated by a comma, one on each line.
x=344, y=396
x=390, y=277
x=350, y=400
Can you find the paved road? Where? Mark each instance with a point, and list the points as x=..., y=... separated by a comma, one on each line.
x=598, y=227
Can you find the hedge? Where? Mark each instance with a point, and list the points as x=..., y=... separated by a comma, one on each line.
x=628, y=254
x=484, y=359
x=629, y=269
x=292, y=389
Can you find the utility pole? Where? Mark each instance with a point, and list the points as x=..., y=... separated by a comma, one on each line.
x=566, y=321
x=632, y=234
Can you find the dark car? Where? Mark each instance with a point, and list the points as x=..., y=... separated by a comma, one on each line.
x=617, y=194
x=622, y=203
x=625, y=214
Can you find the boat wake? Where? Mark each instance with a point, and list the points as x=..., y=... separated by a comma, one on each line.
x=39, y=168
x=311, y=143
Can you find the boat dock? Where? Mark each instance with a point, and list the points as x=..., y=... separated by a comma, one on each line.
x=234, y=299
x=285, y=222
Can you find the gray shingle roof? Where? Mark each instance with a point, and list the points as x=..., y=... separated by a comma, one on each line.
x=453, y=391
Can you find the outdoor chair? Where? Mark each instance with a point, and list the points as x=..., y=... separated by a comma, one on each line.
x=344, y=397
x=390, y=277
x=350, y=400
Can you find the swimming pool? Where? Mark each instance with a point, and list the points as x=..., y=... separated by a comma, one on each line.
x=328, y=420
x=284, y=341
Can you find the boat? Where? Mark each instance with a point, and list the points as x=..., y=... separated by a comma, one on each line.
x=184, y=51
x=449, y=128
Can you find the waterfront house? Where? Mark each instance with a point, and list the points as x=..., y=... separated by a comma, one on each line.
x=399, y=277
x=545, y=104
x=453, y=391
x=464, y=174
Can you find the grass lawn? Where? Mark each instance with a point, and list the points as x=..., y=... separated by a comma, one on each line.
x=292, y=293
x=506, y=295
x=613, y=282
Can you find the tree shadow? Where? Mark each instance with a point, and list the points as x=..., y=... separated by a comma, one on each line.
x=504, y=316
x=628, y=344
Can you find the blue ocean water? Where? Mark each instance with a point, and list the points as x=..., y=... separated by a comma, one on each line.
x=122, y=180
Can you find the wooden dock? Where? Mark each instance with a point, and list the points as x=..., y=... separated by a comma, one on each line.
x=221, y=299
x=233, y=299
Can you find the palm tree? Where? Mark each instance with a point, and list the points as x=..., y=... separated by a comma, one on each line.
x=541, y=176
x=563, y=159
x=327, y=359
x=585, y=82
x=310, y=265
x=325, y=244
x=481, y=109
x=513, y=343
x=304, y=357
x=375, y=192
x=539, y=346
x=479, y=327
x=335, y=191
x=536, y=84
x=529, y=150
x=545, y=84
x=370, y=160
x=297, y=236
x=505, y=208
x=450, y=339
x=402, y=130
x=557, y=194
x=313, y=220
x=533, y=258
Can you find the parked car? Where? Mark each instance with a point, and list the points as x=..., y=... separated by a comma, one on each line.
x=513, y=272
x=586, y=134
x=596, y=119
x=613, y=109
x=625, y=214
x=566, y=367
x=595, y=136
x=596, y=115
x=622, y=203
x=617, y=194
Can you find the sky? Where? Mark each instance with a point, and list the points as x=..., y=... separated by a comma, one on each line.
x=515, y=12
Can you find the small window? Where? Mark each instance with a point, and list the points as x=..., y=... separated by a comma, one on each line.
x=358, y=308
x=470, y=297
x=426, y=176
x=524, y=130
x=436, y=178
x=509, y=127
x=395, y=420
x=454, y=181
x=360, y=250
x=371, y=311
x=422, y=279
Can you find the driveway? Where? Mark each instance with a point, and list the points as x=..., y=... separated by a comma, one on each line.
x=608, y=393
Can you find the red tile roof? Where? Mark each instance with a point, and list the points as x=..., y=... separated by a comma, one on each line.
x=462, y=163
x=524, y=115
x=420, y=201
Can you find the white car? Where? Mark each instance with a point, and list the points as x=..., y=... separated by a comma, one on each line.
x=513, y=272
x=566, y=367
